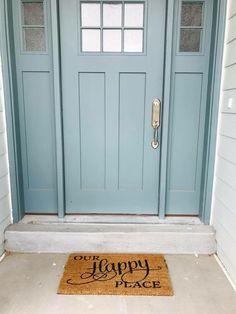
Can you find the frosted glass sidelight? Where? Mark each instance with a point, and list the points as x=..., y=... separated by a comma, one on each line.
x=112, y=15
x=191, y=14
x=33, y=13
x=91, y=41
x=133, y=41
x=190, y=40
x=111, y=40
x=90, y=15
x=134, y=14
x=34, y=39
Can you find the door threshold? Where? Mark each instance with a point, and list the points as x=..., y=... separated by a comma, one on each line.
x=110, y=219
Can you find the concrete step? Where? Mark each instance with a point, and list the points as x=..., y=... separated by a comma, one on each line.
x=100, y=237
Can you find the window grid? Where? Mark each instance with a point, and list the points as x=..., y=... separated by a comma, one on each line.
x=30, y=44
x=190, y=28
x=122, y=27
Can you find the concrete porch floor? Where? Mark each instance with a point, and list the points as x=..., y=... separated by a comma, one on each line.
x=29, y=283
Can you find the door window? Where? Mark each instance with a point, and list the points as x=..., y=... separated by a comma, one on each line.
x=112, y=27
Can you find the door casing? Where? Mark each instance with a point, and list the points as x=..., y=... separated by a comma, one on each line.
x=12, y=116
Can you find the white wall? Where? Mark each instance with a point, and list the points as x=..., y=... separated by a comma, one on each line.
x=224, y=197
x=5, y=205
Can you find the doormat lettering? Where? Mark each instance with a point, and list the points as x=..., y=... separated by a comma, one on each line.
x=116, y=274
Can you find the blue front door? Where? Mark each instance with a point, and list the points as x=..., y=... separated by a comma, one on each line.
x=112, y=56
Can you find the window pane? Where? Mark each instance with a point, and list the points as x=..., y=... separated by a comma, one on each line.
x=190, y=40
x=33, y=13
x=133, y=40
x=112, y=15
x=112, y=40
x=134, y=14
x=191, y=14
x=91, y=40
x=34, y=39
x=90, y=14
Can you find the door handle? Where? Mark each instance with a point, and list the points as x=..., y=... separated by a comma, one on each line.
x=156, y=110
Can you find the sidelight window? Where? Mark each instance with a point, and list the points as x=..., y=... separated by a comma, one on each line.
x=33, y=25
x=191, y=26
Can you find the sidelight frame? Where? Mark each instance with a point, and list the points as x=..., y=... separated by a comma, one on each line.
x=9, y=82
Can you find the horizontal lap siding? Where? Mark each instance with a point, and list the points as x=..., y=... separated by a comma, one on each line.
x=224, y=205
x=5, y=207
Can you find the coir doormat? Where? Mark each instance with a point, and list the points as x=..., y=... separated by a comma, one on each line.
x=116, y=274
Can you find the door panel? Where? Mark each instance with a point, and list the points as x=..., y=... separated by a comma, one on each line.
x=110, y=166
x=38, y=112
x=184, y=165
x=131, y=130
x=92, y=130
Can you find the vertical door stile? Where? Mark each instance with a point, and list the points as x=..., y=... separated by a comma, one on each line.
x=58, y=106
x=166, y=108
x=112, y=130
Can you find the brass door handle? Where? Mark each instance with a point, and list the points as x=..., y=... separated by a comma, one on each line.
x=156, y=109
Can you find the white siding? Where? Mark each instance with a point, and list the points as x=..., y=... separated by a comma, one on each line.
x=224, y=197
x=5, y=206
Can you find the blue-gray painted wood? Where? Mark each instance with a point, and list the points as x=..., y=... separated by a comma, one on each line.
x=92, y=114
x=185, y=169
x=110, y=166
x=10, y=94
x=112, y=176
x=37, y=119
x=166, y=107
x=40, y=154
x=187, y=120
x=58, y=107
x=131, y=136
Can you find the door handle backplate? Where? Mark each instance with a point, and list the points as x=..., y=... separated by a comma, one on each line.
x=156, y=110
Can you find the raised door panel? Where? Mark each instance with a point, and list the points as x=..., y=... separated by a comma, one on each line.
x=92, y=131
x=183, y=187
x=131, y=130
